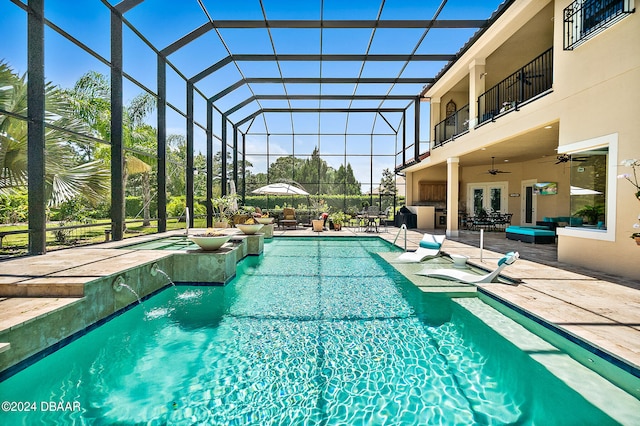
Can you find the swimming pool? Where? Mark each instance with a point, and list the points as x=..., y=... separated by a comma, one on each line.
x=313, y=332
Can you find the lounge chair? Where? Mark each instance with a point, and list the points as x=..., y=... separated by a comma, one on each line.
x=465, y=277
x=289, y=218
x=429, y=247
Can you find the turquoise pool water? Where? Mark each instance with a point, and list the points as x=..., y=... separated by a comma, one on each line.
x=313, y=332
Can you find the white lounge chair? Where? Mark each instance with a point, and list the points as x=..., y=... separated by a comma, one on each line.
x=465, y=277
x=429, y=247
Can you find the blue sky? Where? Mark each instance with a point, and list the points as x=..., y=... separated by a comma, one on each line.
x=164, y=21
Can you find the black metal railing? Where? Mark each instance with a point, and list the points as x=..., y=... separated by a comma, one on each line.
x=528, y=82
x=452, y=126
x=583, y=19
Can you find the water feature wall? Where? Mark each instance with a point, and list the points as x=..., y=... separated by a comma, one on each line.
x=35, y=337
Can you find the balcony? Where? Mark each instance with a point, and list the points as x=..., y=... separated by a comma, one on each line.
x=584, y=19
x=452, y=126
x=524, y=85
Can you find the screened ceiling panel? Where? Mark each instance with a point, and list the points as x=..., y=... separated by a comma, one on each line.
x=395, y=40
x=350, y=69
x=300, y=69
x=191, y=60
x=333, y=122
x=278, y=9
x=385, y=69
x=224, y=9
x=289, y=40
x=345, y=40
x=354, y=9
x=150, y=15
x=247, y=40
x=259, y=69
x=401, y=9
x=318, y=54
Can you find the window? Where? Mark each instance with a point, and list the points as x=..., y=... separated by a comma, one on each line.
x=592, y=200
x=583, y=19
x=588, y=192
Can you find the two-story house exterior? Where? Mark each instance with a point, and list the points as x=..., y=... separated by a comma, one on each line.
x=535, y=119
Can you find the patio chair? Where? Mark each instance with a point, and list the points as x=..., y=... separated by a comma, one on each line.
x=467, y=278
x=288, y=218
x=429, y=248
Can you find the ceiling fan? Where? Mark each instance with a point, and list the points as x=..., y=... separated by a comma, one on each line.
x=565, y=158
x=493, y=171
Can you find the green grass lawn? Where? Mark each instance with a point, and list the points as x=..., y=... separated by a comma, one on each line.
x=16, y=244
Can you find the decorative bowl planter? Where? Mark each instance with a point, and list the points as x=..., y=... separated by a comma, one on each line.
x=210, y=243
x=264, y=220
x=249, y=229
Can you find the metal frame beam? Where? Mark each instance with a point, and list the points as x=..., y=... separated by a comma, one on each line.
x=162, y=144
x=35, y=129
x=347, y=23
x=314, y=110
x=316, y=80
x=209, y=164
x=117, y=148
x=246, y=102
x=190, y=143
x=319, y=57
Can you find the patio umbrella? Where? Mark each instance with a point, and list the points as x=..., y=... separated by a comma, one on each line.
x=279, y=189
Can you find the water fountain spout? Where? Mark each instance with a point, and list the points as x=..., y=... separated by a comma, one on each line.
x=119, y=284
x=155, y=270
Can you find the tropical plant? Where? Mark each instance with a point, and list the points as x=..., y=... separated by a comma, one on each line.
x=68, y=173
x=590, y=212
x=225, y=206
x=339, y=217
x=91, y=101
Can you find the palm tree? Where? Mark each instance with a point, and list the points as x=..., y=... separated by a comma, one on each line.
x=67, y=174
x=91, y=97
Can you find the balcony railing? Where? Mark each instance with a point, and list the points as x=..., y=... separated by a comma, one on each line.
x=583, y=19
x=528, y=82
x=452, y=126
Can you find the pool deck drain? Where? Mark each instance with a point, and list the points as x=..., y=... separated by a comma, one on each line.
x=601, y=312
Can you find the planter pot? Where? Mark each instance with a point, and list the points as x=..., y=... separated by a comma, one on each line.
x=210, y=243
x=264, y=220
x=249, y=229
x=337, y=226
x=221, y=225
x=318, y=225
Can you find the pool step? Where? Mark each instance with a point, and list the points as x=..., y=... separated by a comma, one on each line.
x=609, y=398
x=4, y=347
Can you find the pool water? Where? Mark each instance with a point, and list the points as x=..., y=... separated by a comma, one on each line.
x=313, y=332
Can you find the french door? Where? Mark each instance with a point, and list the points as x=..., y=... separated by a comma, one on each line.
x=487, y=197
x=528, y=203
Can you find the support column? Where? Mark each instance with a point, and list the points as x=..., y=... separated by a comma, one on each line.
x=435, y=117
x=162, y=145
x=453, y=183
x=235, y=161
x=35, y=129
x=477, y=83
x=416, y=145
x=244, y=165
x=209, y=164
x=190, y=152
x=223, y=157
x=117, y=149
